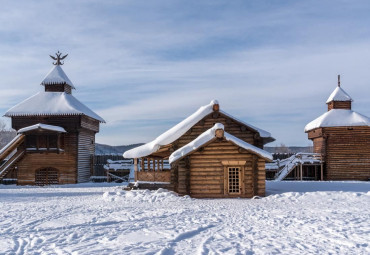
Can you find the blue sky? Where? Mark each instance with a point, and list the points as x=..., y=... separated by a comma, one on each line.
x=146, y=65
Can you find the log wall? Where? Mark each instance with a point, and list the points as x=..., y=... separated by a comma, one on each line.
x=319, y=145
x=69, y=123
x=65, y=162
x=86, y=150
x=154, y=176
x=231, y=126
x=89, y=123
x=339, y=105
x=79, y=146
x=347, y=153
x=204, y=173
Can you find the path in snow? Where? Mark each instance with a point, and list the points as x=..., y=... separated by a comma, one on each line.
x=104, y=219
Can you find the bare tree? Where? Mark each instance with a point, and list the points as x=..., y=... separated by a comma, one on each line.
x=2, y=125
x=6, y=134
x=282, y=148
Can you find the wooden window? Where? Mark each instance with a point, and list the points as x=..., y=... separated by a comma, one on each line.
x=53, y=141
x=234, y=180
x=31, y=141
x=44, y=142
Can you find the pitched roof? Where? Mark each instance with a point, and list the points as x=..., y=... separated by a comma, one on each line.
x=41, y=126
x=52, y=103
x=339, y=95
x=263, y=133
x=180, y=129
x=209, y=136
x=57, y=76
x=338, y=118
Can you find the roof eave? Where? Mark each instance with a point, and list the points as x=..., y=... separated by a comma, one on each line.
x=56, y=83
x=52, y=114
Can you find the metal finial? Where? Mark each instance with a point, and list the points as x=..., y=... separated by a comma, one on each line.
x=58, y=58
x=338, y=80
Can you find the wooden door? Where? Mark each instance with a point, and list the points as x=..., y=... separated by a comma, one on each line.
x=234, y=180
x=46, y=176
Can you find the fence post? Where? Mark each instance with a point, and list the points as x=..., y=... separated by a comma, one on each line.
x=135, y=169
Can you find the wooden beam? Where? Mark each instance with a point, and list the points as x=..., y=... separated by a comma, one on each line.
x=47, y=142
x=219, y=133
x=226, y=181
x=142, y=164
x=135, y=169
x=58, y=142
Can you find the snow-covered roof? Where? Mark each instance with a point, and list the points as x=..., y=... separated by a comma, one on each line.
x=338, y=118
x=172, y=134
x=180, y=129
x=263, y=133
x=42, y=127
x=339, y=95
x=51, y=103
x=249, y=147
x=208, y=136
x=57, y=76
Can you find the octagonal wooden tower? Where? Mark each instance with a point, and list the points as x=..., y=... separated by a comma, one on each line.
x=342, y=136
x=56, y=135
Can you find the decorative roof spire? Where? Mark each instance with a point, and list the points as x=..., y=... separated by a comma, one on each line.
x=58, y=58
x=338, y=80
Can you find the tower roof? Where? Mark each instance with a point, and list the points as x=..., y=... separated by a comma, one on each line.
x=52, y=103
x=57, y=76
x=338, y=118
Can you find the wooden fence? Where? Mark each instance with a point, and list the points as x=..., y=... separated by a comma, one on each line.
x=100, y=160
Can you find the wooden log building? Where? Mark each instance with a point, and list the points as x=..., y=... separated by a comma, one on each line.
x=56, y=135
x=212, y=154
x=342, y=136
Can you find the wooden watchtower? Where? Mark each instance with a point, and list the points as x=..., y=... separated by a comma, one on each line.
x=56, y=134
x=342, y=137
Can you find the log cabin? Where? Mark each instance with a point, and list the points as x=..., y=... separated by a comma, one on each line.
x=342, y=137
x=56, y=135
x=212, y=155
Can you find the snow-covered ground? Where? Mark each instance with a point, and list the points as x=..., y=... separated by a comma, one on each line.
x=295, y=218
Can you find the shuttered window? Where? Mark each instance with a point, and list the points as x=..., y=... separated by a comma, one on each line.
x=43, y=142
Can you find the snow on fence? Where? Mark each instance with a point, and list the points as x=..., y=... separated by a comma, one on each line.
x=286, y=166
x=100, y=161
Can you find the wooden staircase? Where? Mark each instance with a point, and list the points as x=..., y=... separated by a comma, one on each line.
x=298, y=160
x=12, y=147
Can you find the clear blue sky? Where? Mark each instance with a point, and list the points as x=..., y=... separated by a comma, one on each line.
x=146, y=65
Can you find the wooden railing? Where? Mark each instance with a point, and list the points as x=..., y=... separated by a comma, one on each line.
x=9, y=164
x=298, y=159
x=115, y=178
x=11, y=146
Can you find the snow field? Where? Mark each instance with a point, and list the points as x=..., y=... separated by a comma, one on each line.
x=104, y=219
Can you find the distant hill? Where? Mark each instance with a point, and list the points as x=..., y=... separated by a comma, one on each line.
x=104, y=149
x=288, y=149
